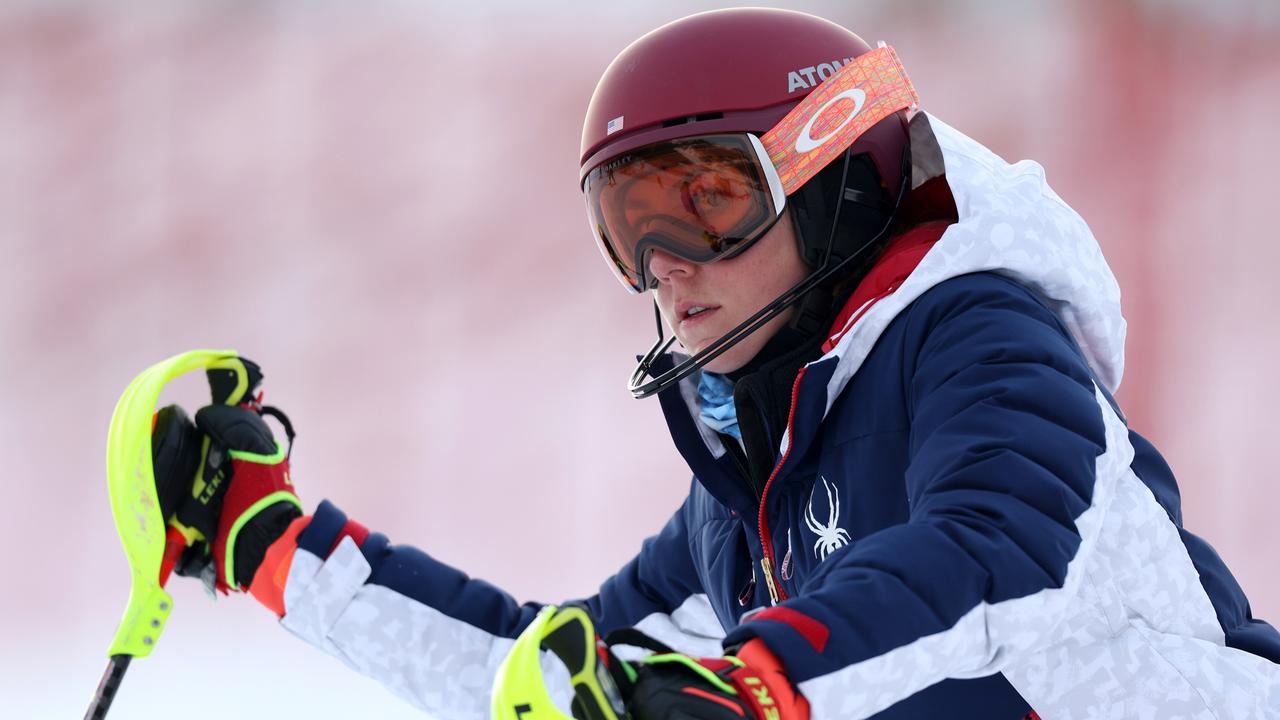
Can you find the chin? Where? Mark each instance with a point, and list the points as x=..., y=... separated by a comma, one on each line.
x=731, y=359
x=744, y=350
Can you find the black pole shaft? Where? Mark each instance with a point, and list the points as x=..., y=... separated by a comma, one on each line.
x=107, y=687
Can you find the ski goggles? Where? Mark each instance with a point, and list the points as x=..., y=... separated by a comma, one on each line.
x=709, y=197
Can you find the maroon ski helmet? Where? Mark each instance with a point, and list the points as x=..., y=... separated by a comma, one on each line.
x=734, y=70
x=741, y=71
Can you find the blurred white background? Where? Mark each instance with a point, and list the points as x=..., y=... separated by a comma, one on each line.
x=378, y=202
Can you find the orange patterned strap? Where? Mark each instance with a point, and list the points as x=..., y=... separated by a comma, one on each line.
x=862, y=93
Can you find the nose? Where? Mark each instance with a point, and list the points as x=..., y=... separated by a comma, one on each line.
x=665, y=266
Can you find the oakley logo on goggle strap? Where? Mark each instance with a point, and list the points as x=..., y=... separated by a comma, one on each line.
x=876, y=85
x=805, y=142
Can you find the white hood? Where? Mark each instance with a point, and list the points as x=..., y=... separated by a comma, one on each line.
x=1013, y=224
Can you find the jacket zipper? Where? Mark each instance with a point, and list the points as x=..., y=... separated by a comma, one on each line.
x=776, y=591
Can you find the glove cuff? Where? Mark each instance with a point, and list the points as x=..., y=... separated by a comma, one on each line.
x=273, y=572
x=261, y=481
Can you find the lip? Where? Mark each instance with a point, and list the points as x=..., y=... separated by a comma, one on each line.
x=697, y=319
x=682, y=309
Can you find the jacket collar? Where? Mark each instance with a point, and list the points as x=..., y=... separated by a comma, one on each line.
x=704, y=450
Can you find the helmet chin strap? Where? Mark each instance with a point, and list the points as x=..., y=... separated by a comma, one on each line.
x=806, y=318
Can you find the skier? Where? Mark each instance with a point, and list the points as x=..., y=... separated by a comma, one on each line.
x=914, y=494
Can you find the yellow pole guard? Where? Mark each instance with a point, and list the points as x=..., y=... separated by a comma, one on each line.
x=131, y=483
x=520, y=691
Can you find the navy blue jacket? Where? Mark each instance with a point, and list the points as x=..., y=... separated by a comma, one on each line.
x=960, y=523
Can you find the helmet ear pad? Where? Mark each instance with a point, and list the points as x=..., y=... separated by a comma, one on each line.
x=853, y=193
x=846, y=210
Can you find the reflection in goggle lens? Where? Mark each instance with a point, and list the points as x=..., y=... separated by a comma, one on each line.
x=698, y=198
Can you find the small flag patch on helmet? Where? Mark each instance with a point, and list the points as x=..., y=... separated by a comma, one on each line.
x=614, y=126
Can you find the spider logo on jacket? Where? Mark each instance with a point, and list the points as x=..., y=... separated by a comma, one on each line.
x=830, y=536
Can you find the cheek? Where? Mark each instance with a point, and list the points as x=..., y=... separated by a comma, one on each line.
x=769, y=277
x=789, y=269
x=664, y=306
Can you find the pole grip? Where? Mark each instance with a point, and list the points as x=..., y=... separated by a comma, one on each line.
x=174, y=544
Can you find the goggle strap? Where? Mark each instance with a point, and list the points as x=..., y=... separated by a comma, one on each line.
x=875, y=83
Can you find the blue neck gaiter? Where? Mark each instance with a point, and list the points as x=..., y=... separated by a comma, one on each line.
x=715, y=404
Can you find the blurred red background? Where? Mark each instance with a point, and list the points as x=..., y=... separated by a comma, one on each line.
x=378, y=202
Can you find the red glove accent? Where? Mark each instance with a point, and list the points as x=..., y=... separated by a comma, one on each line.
x=764, y=687
x=270, y=578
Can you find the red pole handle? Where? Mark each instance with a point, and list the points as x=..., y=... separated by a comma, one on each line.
x=174, y=544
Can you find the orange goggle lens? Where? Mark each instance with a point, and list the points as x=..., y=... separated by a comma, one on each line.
x=700, y=198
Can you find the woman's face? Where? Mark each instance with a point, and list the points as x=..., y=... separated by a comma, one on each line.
x=728, y=292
